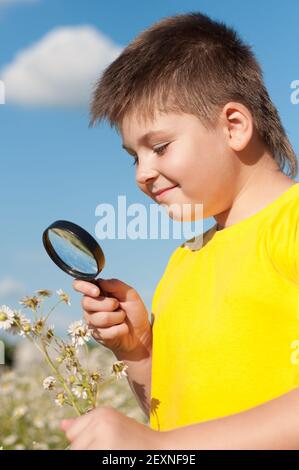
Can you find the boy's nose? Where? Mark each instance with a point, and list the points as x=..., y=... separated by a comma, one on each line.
x=145, y=174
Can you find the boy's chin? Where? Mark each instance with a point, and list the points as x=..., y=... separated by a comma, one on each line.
x=177, y=217
x=180, y=216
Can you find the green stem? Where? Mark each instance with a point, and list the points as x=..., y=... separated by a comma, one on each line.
x=91, y=397
x=51, y=310
x=55, y=370
x=41, y=309
x=86, y=355
x=60, y=378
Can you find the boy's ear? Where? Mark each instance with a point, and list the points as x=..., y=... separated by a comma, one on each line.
x=238, y=124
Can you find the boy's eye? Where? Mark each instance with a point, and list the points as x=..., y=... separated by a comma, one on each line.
x=159, y=150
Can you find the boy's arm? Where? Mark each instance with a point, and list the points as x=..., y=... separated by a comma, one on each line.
x=139, y=374
x=272, y=425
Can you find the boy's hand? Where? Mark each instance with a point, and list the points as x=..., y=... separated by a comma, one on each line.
x=119, y=322
x=105, y=428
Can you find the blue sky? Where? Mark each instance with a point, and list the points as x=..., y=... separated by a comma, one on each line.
x=54, y=167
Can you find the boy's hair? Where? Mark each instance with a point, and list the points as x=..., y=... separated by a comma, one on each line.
x=192, y=64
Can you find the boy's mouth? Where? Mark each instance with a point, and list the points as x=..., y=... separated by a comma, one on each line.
x=161, y=192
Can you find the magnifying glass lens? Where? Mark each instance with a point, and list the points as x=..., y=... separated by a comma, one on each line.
x=72, y=251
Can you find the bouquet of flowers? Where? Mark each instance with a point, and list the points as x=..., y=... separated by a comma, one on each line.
x=69, y=381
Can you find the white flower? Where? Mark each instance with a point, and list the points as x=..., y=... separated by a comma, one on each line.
x=38, y=422
x=95, y=377
x=49, y=334
x=79, y=391
x=49, y=383
x=6, y=317
x=10, y=440
x=20, y=411
x=38, y=326
x=60, y=399
x=21, y=324
x=31, y=302
x=65, y=297
x=119, y=369
x=44, y=293
x=79, y=333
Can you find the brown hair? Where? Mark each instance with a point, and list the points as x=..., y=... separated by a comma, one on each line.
x=190, y=63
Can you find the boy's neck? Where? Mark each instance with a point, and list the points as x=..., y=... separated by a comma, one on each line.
x=262, y=185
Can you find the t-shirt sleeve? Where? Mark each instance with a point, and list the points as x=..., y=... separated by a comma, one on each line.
x=282, y=242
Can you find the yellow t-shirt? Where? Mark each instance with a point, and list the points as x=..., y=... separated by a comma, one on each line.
x=226, y=319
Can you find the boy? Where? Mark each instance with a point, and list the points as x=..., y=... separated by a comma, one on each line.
x=216, y=368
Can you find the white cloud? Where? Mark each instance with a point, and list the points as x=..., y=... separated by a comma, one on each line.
x=60, y=69
x=10, y=287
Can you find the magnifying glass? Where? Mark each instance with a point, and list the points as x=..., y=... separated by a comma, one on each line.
x=74, y=250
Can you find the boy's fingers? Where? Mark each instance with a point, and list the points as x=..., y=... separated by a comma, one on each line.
x=105, y=319
x=91, y=305
x=87, y=288
x=110, y=333
x=66, y=424
x=77, y=426
x=117, y=288
x=82, y=442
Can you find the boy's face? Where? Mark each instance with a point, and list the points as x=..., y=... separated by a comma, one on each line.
x=195, y=162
